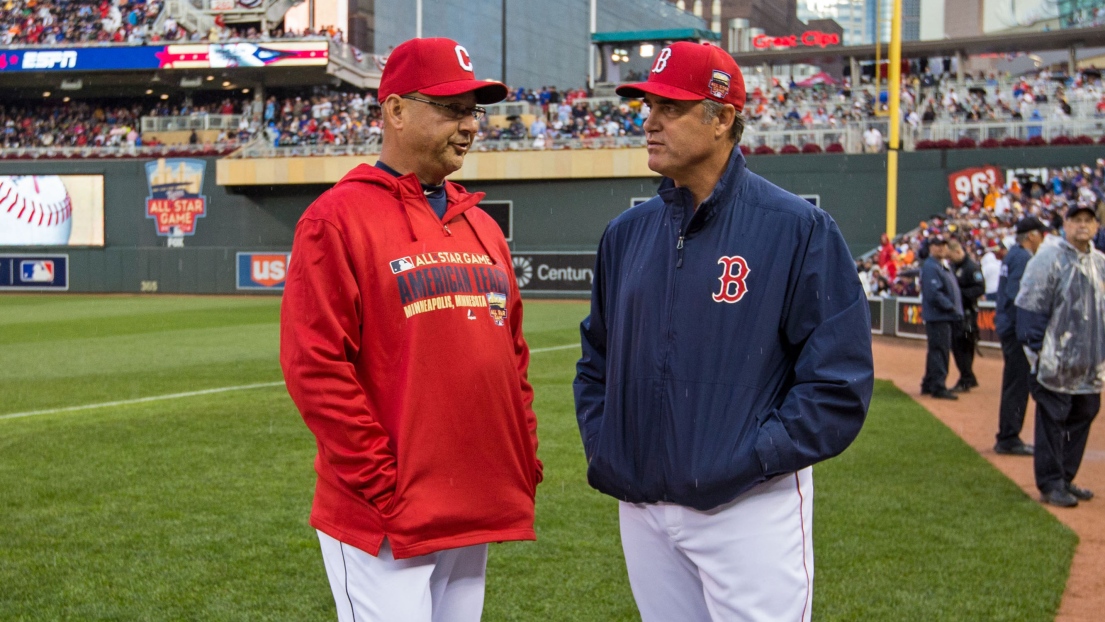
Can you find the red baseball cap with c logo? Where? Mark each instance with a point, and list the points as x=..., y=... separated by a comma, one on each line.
x=691, y=71
x=437, y=67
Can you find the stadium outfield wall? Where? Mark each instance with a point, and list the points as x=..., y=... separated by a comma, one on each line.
x=559, y=218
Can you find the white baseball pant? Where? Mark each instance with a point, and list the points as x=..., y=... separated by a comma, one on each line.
x=750, y=559
x=446, y=586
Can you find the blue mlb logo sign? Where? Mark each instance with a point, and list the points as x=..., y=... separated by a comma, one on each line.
x=37, y=271
x=34, y=272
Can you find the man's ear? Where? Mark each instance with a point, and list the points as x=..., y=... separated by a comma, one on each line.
x=726, y=117
x=393, y=109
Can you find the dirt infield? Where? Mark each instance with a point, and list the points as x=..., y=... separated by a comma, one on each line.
x=975, y=419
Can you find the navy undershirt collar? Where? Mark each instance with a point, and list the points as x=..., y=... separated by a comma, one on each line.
x=435, y=195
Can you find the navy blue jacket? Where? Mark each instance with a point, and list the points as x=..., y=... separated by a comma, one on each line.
x=940, y=297
x=1009, y=284
x=725, y=345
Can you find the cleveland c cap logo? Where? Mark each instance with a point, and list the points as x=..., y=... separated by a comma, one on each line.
x=662, y=60
x=463, y=58
x=732, y=278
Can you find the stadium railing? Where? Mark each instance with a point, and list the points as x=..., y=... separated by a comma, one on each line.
x=116, y=151
x=509, y=109
x=979, y=131
x=191, y=122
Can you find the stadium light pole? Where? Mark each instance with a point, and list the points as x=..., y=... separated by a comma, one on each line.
x=894, y=87
x=591, y=46
x=418, y=19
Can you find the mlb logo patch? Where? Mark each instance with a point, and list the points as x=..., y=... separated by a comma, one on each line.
x=37, y=271
x=402, y=265
x=719, y=84
x=496, y=304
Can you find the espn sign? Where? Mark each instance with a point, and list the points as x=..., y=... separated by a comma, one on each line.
x=50, y=59
x=262, y=271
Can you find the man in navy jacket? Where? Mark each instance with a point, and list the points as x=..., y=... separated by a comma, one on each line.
x=728, y=349
x=1015, y=375
x=941, y=308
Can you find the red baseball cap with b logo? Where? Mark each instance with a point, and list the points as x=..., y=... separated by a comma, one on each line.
x=438, y=67
x=691, y=71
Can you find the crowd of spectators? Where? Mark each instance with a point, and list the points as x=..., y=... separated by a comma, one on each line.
x=103, y=123
x=335, y=117
x=984, y=226
x=577, y=119
x=45, y=22
x=928, y=98
x=41, y=22
x=72, y=124
x=326, y=118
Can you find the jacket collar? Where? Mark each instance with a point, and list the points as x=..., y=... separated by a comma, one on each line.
x=723, y=194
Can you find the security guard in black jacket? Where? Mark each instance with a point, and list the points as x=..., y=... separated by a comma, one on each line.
x=965, y=336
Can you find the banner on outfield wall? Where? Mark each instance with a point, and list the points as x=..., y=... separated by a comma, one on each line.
x=987, y=332
x=875, y=305
x=908, y=322
x=969, y=182
x=907, y=318
x=554, y=273
x=175, y=202
x=263, y=271
x=51, y=210
x=34, y=272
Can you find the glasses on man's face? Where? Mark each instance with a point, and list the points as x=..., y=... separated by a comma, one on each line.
x=455, y=111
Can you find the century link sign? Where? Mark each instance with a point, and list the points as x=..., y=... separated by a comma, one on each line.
x=554, y=273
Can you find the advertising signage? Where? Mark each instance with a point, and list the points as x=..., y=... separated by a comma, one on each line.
x=554, y=273
x=810, y=38
x=51, y=210
x=263, y=271
x=34, y=272
x=182, y=56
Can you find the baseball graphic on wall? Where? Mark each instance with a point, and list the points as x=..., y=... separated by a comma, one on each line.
x=35, y=210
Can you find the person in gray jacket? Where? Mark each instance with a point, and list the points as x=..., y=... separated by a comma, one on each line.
x=1061, y=322
x=941, y=309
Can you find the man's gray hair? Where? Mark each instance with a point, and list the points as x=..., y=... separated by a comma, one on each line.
x=712, y=109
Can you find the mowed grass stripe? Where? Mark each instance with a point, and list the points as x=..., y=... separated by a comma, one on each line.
x=187, y=394
x=134, y=324
x=197, y=508
x=143, y=400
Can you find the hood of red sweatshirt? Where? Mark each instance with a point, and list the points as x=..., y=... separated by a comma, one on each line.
x=407, y=189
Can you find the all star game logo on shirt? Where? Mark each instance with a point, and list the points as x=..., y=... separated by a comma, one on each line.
x=496, y=304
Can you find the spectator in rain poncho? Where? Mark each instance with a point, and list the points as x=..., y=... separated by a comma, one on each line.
x=1061, y=322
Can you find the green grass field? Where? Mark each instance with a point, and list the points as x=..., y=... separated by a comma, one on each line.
x=196, y=507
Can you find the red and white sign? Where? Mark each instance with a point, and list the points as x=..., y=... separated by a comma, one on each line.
x=263, y=270
x=810, y=38
x=973, y=181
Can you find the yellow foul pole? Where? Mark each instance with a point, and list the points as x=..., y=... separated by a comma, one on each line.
x=894, y=88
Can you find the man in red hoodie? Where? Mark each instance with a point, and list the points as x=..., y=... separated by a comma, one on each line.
x=401, y=344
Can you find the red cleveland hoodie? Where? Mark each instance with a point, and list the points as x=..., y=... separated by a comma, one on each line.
x=401, y=344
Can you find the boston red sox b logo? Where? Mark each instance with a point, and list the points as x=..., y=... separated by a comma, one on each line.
x=732, y=278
